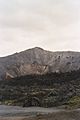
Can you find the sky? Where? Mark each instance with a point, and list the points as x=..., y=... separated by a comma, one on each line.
x=50, y=24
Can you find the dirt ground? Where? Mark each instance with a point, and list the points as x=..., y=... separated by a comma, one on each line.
x=37, y=113
x=70, y=115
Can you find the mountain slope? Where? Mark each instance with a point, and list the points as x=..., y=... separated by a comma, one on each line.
x=53, y=89
x=38, y=61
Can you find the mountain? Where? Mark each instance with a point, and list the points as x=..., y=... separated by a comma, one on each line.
x=38, y=61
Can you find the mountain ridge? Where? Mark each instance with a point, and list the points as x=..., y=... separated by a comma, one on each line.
x=38, y=61
x=68, y=51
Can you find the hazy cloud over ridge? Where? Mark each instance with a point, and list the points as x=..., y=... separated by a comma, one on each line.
x=51, y=24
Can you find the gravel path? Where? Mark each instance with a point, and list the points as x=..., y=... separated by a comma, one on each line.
x=37, y=113
x=20, y=111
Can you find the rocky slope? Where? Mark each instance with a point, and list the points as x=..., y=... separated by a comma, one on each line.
x=38, y=61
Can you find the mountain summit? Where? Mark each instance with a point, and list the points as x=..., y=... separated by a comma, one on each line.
x=38, y=61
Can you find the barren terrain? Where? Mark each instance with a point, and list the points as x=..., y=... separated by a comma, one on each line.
x=37, y=113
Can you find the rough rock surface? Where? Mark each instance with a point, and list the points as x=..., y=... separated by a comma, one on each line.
x=38, y=61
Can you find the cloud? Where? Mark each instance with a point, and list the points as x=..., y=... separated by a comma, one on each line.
x=51, y=24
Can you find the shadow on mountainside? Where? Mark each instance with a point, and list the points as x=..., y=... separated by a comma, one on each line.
x=54, y=89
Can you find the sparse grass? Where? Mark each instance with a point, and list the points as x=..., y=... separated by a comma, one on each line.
x=74, y=102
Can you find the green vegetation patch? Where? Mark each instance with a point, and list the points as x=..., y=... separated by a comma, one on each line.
x=74, y=101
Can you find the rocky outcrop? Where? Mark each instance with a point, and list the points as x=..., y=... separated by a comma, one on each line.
x=8, y=76
x=38, y=61
x=25, y=69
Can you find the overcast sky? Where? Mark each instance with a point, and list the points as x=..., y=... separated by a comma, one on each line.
x=50, y=24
